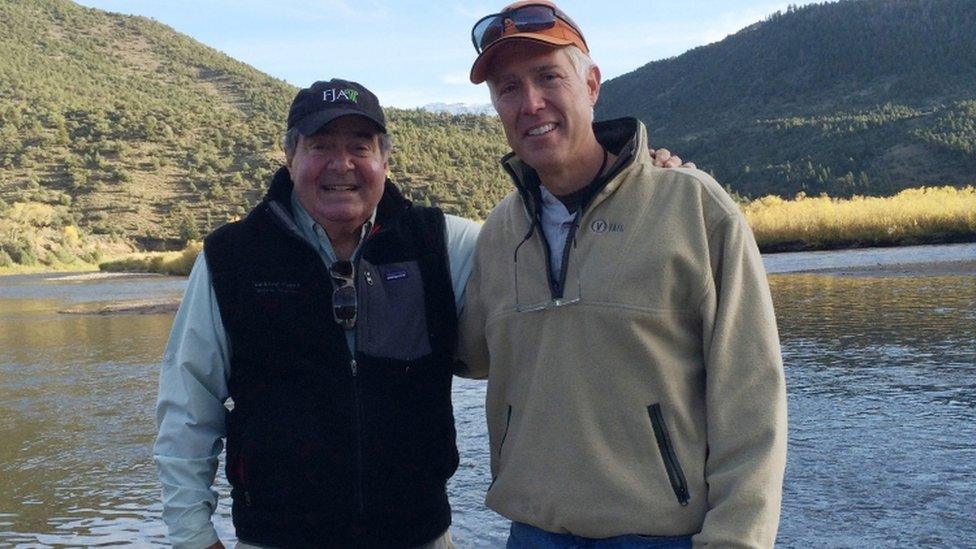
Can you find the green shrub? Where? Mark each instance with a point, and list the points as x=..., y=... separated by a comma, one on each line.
x=65, y=256
x=25, y=256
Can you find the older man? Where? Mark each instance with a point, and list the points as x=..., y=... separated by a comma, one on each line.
x=635, y=393
x=328, y=316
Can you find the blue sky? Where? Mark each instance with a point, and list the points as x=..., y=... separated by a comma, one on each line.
x=411, y=53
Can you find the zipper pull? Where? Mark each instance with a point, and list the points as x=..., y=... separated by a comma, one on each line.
x=368, y=277
x=354, y=367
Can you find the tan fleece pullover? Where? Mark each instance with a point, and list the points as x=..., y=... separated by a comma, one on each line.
x=650, y=398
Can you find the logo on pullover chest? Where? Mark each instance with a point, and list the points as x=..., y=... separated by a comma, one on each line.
x=602, y=226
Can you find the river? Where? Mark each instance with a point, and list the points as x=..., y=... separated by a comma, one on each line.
x=881, y=374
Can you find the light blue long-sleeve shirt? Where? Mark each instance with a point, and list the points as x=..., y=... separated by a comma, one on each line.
x=193, y=385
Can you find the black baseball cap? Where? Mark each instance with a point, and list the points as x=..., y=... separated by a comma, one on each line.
x=324, y=101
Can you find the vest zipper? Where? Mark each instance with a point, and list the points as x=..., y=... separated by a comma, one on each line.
x=354, y=368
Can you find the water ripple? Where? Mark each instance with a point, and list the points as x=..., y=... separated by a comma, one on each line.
x=882, y=403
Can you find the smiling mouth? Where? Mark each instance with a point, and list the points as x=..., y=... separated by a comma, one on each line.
x=541, y=130
x=331, y=188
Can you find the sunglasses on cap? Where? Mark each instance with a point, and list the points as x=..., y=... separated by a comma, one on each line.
x=344, y=306
x=527, y=18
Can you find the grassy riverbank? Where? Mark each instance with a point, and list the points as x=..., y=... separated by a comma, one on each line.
x=169, y=263
x=925, y=215
x=76, y=266
x=42, y=237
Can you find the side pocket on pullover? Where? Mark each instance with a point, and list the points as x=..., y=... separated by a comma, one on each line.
x=675, y=475
x=501, y=445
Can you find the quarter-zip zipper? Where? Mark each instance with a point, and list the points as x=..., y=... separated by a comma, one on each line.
x=570, y=243
x=556, y=289
x=535, y=222
x=675, y=475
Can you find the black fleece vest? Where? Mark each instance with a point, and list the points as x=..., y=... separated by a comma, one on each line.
x=325, y=449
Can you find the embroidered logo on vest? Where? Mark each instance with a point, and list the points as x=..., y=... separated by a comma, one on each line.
x=272, y=287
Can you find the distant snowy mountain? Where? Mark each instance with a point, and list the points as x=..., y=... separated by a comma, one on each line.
x=459, y=108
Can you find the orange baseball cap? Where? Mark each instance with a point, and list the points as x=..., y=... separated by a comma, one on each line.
x=533, y=20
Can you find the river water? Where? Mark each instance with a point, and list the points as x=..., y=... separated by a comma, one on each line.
x=881, y=375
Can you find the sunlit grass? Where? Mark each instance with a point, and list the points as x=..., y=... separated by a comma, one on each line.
x=913, y=216
x=74, y=266
x=169, y=263
x=922, y=215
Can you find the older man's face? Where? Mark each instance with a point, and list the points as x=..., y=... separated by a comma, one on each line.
x=339, y=172
x=545, y=107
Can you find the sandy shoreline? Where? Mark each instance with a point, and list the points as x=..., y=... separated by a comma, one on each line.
x=135, y=307
x=100, y=276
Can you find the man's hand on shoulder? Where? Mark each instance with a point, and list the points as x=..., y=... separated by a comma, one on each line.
x=217, y=545
x=664, y=159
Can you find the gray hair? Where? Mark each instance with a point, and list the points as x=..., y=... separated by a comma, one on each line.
x=581, y=62
x=290, y=142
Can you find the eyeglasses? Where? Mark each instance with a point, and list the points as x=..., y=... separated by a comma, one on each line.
x=529, y=18
x=344, y=306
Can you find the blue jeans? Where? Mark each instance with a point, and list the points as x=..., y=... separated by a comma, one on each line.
x=525, y=536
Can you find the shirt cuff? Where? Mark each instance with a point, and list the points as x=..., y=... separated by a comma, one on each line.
x=196, y=540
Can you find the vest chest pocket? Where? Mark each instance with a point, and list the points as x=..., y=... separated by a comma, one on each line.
x=393, y=318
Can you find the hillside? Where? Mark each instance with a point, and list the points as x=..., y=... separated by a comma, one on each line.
x=857, y=96
x=142, y=133
x=116, y=132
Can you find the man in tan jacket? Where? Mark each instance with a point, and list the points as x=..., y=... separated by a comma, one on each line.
x=621, y=313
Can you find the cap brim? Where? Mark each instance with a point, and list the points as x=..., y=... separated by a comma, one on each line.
x=311, y=124
x=479, y=71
